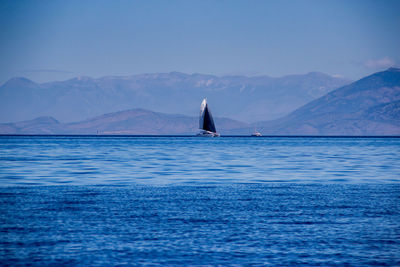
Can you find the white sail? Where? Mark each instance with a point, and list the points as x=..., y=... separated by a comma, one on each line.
x=202, y=109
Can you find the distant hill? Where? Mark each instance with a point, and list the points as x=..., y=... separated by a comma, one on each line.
x=41, y=125
x=244, y=98
x=370, y=106
x=134, y=121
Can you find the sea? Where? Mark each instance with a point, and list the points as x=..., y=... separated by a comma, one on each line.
x=192, y=201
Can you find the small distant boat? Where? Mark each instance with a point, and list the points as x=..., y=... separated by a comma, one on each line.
x=206, y=122
x=255, y=133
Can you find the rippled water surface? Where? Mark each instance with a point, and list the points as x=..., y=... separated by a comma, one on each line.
x=191, y=160
x=199, y=201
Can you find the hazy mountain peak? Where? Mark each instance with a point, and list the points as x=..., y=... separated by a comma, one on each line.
x=369, y=106
x=82, y=79
x=239, y=97
x=19, y=82
x=130, y=112
x=177, y=73
x=393, y=69
x=46, y=120
x=318, y=74
x=386, y=78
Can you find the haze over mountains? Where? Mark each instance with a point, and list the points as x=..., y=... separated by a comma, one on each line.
x=370, y=106
x=133, y=121
x=248, y=99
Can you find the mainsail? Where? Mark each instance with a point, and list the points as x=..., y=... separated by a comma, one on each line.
x=206, y=121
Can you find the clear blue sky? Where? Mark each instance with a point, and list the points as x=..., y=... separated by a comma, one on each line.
x=55, y=40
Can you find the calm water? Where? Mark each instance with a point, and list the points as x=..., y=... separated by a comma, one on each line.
x=191, y=160
x=199, y=201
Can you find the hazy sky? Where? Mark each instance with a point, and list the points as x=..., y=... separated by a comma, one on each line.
x=55, y=40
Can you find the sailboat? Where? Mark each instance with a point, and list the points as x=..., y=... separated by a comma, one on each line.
x=206, y=122
x=256, y=133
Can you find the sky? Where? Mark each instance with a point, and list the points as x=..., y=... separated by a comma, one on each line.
x=57, y=40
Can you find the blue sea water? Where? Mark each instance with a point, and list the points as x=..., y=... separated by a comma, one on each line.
x=102, y=200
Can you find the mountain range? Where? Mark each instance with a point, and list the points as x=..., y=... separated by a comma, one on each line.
x=133, y=121
x=369, y=106
x=249, y=99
